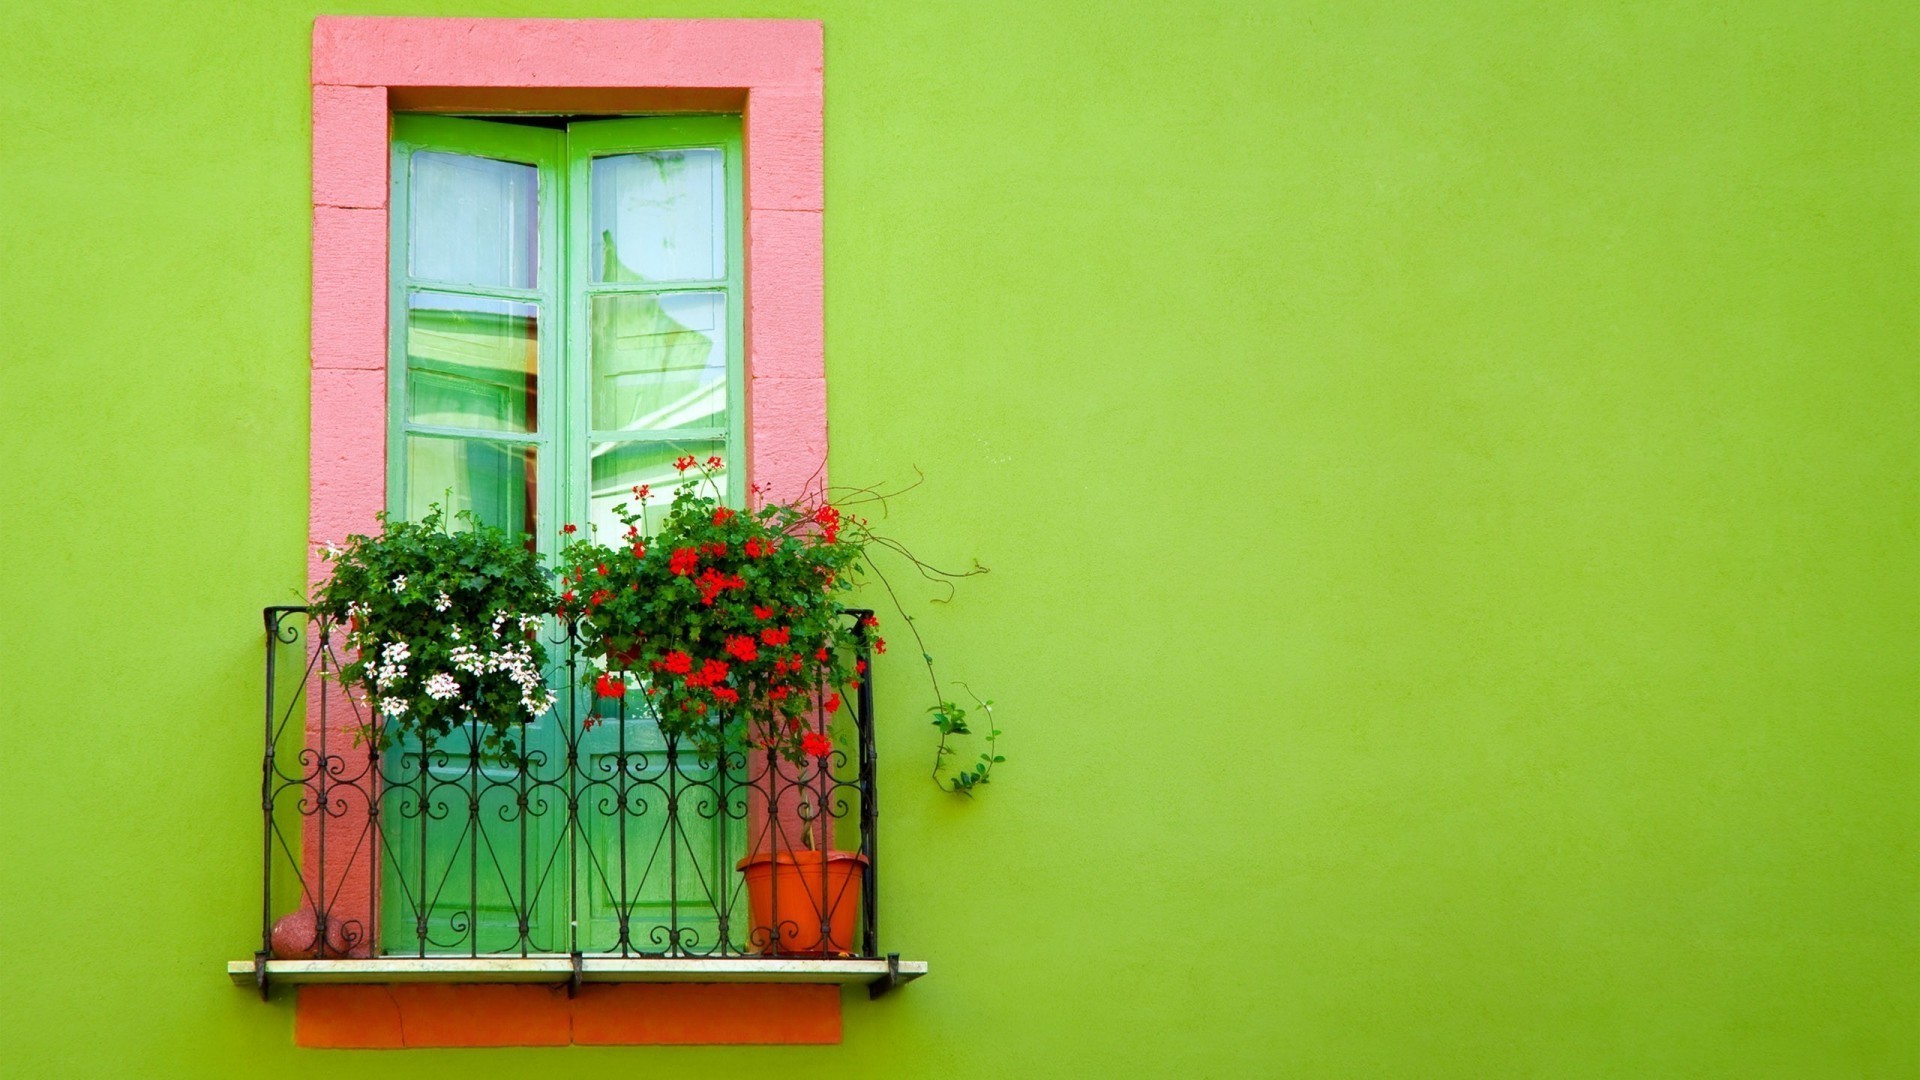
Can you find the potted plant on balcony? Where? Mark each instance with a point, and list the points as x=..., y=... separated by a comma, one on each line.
x=442, y=630
x=730, y=624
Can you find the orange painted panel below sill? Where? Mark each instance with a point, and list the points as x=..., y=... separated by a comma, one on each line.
x=402, y=1015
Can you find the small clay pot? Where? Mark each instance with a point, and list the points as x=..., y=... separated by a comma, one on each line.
x=296, y=938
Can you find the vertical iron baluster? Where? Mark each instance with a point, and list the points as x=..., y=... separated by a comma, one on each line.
x=822, y=768
x=321, y=906
x=422, y=905
x=673, y=847
x=623, y=909
x=524, y=910
x=376, y=823
x=473, y=840
x=772, y=848
x=575, y=885
x=868, y=785
x=722, y=909
x=272, y=619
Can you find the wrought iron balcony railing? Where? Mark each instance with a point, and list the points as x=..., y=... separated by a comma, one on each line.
x=593, y=847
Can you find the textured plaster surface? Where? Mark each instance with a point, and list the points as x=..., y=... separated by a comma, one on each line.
x=422, y=1015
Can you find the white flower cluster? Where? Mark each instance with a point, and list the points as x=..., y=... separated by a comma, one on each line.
x=442, y=602
x=503, y=647
x=514, y=659
x=392, y=668
x=400, y=583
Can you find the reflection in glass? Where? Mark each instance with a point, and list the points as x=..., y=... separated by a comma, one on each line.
x=659, y=361
x=493, y=479
x=474, y=221
x=472, y=362
x=616, y=468
x=659, y=216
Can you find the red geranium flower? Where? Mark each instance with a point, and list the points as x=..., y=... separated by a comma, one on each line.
x=683, y=463
x=829, y=521
x=726, y=694
x=607, y=686
x=816, y=745
x=762, y=613
x=714, y=462
x=641, y=491
x=832, y=704
x=678, y=662
x=743, y=647
x=639, y=551
x=600, y=596
x=774, y=635
x=683, y=560
x=569, y=528
x=712, y=583
x=722, y=515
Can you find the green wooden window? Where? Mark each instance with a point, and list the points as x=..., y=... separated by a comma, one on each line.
x=567, y=316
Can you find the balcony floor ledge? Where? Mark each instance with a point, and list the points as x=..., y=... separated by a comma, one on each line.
x=559, y=968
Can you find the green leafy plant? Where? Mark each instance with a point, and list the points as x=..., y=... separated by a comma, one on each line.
x=731, y=622
x=951, y=720
x=442, y=628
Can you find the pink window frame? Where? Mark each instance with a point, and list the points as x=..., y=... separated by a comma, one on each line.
x=366, y=68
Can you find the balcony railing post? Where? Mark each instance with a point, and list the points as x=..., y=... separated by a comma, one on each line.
x=867, y=783
x=271, y=616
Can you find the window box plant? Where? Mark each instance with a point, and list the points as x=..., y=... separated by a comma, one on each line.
x=442, y=628
x=730, y=627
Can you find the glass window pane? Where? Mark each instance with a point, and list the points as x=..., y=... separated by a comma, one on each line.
x=472, y=362
x=495, y=480
x=659, y=216
x=659, y=361
x=616, y=468
x=474, y=220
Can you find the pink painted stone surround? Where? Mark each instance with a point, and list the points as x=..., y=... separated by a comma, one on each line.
x=363, y=68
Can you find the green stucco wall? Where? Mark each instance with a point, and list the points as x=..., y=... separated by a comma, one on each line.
x=1449, y=472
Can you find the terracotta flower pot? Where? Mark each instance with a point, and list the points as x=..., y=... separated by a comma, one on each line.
x=787, y=900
